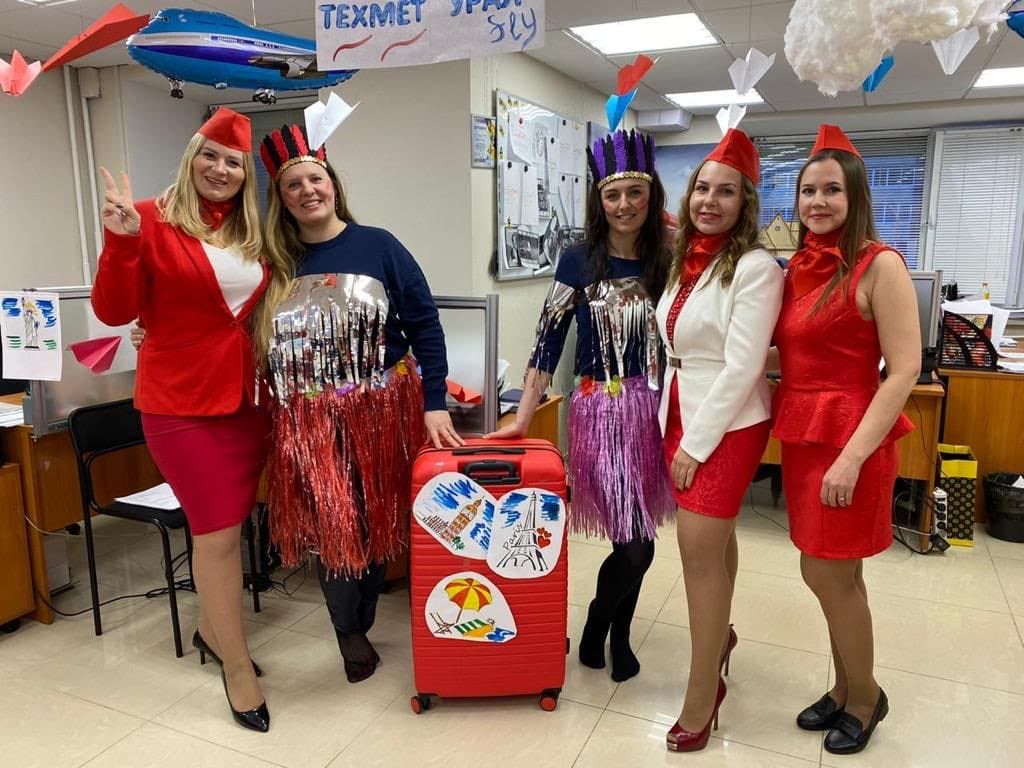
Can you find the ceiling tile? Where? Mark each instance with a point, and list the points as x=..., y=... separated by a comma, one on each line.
x=759, y=22
x=781, y=88
x=647, y=8
x=1009, y=52
x=574, y=13
x=571, y=57
x=718, y=5
x=691, y=69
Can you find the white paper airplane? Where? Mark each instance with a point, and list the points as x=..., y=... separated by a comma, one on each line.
x=746, y=72
x=323, y=119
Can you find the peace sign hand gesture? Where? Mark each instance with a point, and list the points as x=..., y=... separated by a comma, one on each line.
x=118, y=211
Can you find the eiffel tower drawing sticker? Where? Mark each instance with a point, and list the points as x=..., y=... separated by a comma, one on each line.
x=458, y=513
x=526, y=537
x=468, y=606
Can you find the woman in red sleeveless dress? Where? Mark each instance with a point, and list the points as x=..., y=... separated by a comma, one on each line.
x=848, y=304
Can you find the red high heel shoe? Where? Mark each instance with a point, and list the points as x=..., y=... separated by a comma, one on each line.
x=727, y=654
x=678, y=739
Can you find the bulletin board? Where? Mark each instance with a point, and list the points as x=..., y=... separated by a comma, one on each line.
x=542, y=187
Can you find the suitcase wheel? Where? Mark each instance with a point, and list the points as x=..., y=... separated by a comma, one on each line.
x=549, y=700
x=419, y=703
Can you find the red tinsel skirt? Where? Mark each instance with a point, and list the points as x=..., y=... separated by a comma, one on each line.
x=720, y=482
x=339, y=477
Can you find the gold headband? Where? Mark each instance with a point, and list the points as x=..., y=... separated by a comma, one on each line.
x=295, y=161
x=624, y=175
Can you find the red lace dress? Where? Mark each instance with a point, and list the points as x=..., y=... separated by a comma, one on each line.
x=830, y=373
x=720, y=482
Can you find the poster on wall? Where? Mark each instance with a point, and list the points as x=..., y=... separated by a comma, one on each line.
x=402, y=33
x=484, y=132
x=30, y=328
x=542, y=187
x=675, y=166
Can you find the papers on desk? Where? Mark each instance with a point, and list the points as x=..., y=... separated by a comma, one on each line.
x=159, y=497
x=1011, y=366
x=1000, y=316
x=11, y=415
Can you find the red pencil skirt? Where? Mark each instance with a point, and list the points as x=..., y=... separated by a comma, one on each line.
x=212, y=463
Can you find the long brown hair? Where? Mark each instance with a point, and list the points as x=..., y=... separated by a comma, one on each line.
x=284, y=251
x=745, y=235
x=651, y=242
x=859, y=227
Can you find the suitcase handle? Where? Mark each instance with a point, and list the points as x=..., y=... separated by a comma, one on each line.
x=474, y=451
x=493, y=472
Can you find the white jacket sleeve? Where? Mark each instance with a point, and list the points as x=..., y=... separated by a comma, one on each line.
x=755, y=310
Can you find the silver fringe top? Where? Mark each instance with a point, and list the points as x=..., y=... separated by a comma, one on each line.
x=623, y=324
x=329, y=335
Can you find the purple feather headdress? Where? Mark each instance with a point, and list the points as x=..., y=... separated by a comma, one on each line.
x=622, y=155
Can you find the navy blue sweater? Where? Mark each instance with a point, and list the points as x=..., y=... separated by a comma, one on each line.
x=573, y=270
x=412, y=315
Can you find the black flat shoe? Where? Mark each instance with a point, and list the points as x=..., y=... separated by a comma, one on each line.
x=204, y=650
x=822, y=715
x=850, y=735
x=254, y=719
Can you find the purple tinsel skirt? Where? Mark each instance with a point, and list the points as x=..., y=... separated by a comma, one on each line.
x=620, y=486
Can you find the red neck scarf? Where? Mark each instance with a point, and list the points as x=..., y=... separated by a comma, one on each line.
x=701, y=250
x=214, y=212
x=816, y=263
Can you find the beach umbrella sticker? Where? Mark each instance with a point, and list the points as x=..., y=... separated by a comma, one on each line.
x=469, y=594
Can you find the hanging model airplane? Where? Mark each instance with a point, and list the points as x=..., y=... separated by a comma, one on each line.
x=215, y=49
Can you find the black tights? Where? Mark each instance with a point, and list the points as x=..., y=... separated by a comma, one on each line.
x=618, y=589
x=352, y=604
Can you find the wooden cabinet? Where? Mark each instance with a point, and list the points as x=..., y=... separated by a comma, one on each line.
x=16, y=597
x=545, y=420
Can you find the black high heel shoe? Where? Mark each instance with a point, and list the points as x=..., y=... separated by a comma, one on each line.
x=822, y=715
x=849, y=735
x=204, y=650
x=254, y=719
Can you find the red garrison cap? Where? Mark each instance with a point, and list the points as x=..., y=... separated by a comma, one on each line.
x=737, y=151
x=229, y=128
x=832, y=137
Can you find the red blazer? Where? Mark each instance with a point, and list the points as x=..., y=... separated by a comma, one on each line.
x=198, y=358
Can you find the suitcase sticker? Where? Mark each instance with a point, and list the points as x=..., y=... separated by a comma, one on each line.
x=458, y=513
x=526, y=537
x=468, y=606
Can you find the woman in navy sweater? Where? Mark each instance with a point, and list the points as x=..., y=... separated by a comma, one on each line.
x=351, y=410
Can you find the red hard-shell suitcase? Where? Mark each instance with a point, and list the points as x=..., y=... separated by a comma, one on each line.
x=533, y=662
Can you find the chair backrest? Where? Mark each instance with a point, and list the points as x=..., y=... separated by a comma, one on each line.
x=98, y=429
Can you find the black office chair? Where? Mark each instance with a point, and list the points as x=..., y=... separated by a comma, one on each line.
x=99, y=430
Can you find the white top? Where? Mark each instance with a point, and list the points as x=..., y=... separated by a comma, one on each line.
x=238, y=277
x=721, y=339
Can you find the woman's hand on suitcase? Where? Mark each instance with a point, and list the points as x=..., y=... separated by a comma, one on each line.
x=512, y=431
x=684, y=467
x=440, y=429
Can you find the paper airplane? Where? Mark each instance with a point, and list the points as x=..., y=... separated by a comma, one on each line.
x=952, y=51
x=745, y=73
x=631, y=74
x=323, y=119
x=116, y=24
x=463, y=394
x=96, y=354
x=616, y=108
x=730, y=117
x=17, y=76
x=872, y=81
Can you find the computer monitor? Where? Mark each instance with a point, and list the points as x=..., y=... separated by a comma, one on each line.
x=928, y=286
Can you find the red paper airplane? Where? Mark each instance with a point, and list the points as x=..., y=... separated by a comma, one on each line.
x=16, y=77
x=631, y=74
x=463, y=394
x=116, y=24
x=96, y=354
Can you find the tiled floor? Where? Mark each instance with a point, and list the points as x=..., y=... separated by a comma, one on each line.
x=948, y=630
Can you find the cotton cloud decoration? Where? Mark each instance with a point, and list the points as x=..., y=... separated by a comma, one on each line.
x=838, y=44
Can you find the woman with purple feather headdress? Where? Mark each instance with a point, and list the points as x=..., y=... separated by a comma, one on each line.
x=610, y=285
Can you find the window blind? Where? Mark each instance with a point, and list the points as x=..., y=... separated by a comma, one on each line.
x=975, y=224
x=896, y=167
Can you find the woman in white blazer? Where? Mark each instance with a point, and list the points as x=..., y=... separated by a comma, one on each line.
x=716, y=319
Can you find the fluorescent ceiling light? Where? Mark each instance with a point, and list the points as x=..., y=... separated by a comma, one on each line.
x=698, y=99
x=658, y=33
x=1002, y=77
x=45, y=3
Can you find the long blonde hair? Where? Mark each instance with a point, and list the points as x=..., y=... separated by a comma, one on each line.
x=284, y=250
x=179, y=205
x=745, y=235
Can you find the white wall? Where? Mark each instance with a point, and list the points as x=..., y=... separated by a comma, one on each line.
x=520, y=301
x=38, y=216
x=404, y=160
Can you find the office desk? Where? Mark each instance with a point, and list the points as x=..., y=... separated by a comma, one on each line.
x=919, y=451
x=50, y=491
x=544, y=425
x=16, y=597
x=985, y=410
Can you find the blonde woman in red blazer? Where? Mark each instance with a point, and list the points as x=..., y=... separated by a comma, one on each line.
x=189, y=267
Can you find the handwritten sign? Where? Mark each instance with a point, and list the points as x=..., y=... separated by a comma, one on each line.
x=401, y=33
